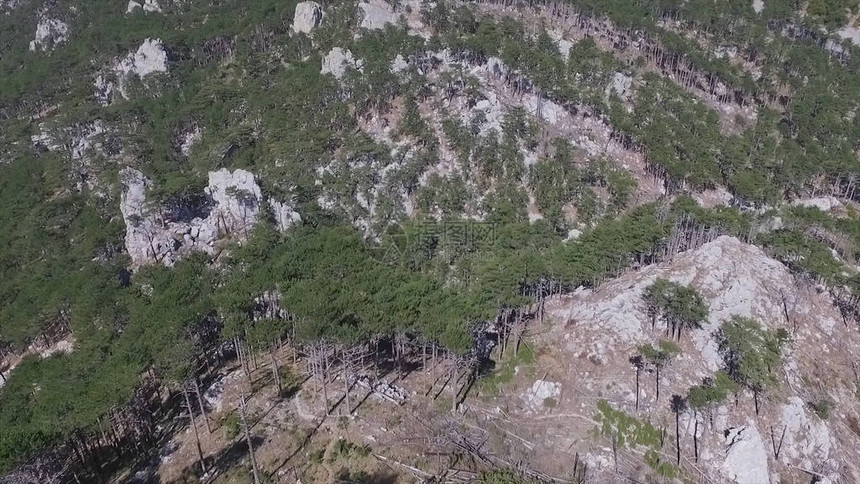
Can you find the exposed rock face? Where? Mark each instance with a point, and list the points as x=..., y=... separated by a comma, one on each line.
x=231, y=207
x=736, y=278
x=50, y=32
x=376, y=14
x=536, y=396
x=622, y=86
x=399, y=64
x=150, y=57
x=307, y=17
x=746, y=457
x=337, y=61
x=850, y=33
x=825, y=204
x=147, y=6
x=188, y=139
x=598, y=329
x=83, y=142
x=285, y=215
x=807, y=440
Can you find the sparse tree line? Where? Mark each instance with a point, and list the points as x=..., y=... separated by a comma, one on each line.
x=752, y=357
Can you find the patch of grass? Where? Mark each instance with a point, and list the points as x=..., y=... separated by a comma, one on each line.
x=504, y=476
x=346, y=449
x=230, y=424
x=663, y=468
x=492, y=383
x=317, y=456
x=290, y=382
x=822, y=408
x=630, y=430
x=633, y=432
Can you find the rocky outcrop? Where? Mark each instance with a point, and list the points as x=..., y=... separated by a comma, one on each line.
x=337, y=61
x=535, y=398
x=807, y=439
x=147, y=6
x=83, y=143
x=746, y=457
x=736, y=278
x=598, y=329
x=149, y=58
x=285, y=215
x=228, y=208
x=187, y=138
x=307, y=17
x=50, y=32
x=376, y=14
x=621, y=86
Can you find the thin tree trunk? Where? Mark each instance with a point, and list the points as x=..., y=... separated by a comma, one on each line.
x=678, y=437
x=194, y=426
x=275, y=373
x=202, y=409
x=637, y=389
x=696, y=439
x=248, y=439
x=454, y=390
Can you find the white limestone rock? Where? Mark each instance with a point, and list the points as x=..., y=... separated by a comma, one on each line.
x=376, y=14
x=149, y=58
x=50, y=32
x=285, y=214
x=746, y=457
x=82, y=142
x=399, y=64
x=807, y=441
x=573, y=234
x=237, y=198
x=621, y=85
x=850, y=33
x=147, y=6
x=189, y=139
x=758, y=6
x=337, y=61
x=825, y=203
x=233, y=208
x=535, y=397
x=307, y=17
x=735, y=278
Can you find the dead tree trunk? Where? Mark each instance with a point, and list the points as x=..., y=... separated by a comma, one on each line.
x=194, y=426
x=248, y=438
x=202, y=408
x=275, y=373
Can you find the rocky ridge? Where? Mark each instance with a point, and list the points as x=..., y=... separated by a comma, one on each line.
x=231, y=204
x=594, y=331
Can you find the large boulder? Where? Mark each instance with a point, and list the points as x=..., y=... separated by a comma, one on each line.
x=746, y=457
x=337, y=61
x=307, y=17
x=376, y=14
x=146, y=5
x=149, y=58
x=228, y=208
x=50, y=32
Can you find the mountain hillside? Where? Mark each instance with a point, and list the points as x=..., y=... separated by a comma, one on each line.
x=429, y=241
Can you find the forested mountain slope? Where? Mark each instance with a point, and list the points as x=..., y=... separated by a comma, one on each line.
x=298, y=206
